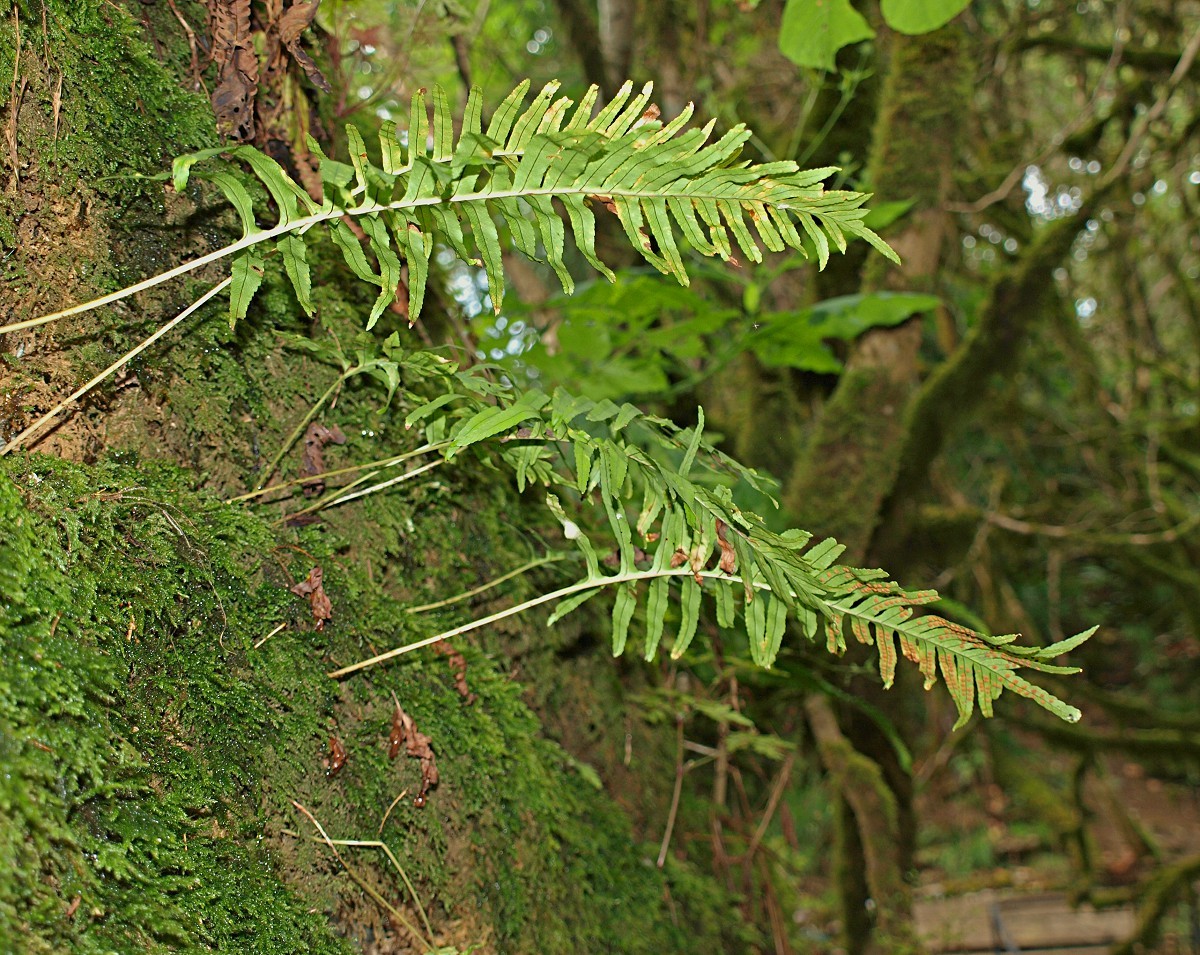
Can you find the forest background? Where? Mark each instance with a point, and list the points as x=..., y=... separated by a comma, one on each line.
x=1012, y=416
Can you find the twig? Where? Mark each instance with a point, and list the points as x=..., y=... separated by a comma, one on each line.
x=362, y=883
x=679, y=771
x=197, y=76
x=383, y=821
x=398, y=479
x=79, y=393
x=14, y=100
x=304, y=422
x=381, y=464
x=1182, y=68
x=1018, y=172
x=781, y=782
x=282, y=626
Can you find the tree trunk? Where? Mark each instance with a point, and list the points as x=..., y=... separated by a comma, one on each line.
x=840, y=486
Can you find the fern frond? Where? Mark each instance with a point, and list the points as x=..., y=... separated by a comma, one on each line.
x=666, y=183
x=689, y=542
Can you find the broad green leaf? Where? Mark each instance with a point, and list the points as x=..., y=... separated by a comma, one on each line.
x=566, y=606
x=776, y=624
x=756, y=629
x=181, y=168
x=689, y=612
x=920, y=16
x=623, y=607
x=352, y=252
x=656, y=613
x=723, y=593
x=814, y=30
x=492, y=421
x=236, y=193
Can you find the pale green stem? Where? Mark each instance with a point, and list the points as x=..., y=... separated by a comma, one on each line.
x=80, y=392
x=376, y=844
x=307, y=222
x=593, y=583
x=548, y=559
x=382, y=464
x=336, y=499
x=428, y=942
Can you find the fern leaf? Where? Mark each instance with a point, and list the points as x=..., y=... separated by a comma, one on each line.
x=725, y=605
x=657, y=601
x=668, y=185
x=689, y=614
x=247, y=273
x=623, y=607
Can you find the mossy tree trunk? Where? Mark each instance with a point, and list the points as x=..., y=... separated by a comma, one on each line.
x=848, y=470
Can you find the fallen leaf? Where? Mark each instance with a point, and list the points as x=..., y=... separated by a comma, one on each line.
x=315, y=439
x=458, y=663
x=237, y=68
x=336, y=758
x=313, y=588
x=290, y=26
x=416, y=746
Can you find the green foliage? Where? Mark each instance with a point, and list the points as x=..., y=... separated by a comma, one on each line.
x=659, y=179
x=655, y=177
x=690, y=535
x=639, y=337
x=814, y=30
x=797, y=339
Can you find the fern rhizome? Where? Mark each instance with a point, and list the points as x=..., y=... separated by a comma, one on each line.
x=688, y=541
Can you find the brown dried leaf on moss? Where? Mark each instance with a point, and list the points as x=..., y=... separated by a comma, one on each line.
x=237, y=68
x=336, y=758
x=315, y=439
x=416, y=745
x=313, y=587
x=458, y=663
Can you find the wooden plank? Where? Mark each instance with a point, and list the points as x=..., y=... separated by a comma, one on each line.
x=985, y=921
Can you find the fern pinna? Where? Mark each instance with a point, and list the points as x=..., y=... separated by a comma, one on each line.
x=659, y=179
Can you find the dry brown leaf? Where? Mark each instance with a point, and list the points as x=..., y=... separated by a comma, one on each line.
x=315, y=439
x=290, y=26
x=336, y=758
x=728, y=562
x=458, y=663
x=237, y=68
x=313, y=588
x=417, y=746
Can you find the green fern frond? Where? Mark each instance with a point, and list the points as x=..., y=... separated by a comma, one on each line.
x=664, y=182
x=689, y=541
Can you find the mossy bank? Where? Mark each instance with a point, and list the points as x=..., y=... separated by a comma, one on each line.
x=154, y=755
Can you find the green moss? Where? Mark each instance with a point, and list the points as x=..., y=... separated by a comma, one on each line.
x=121, y=108
x=155, y=752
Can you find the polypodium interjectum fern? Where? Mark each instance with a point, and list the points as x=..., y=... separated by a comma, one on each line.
x=689, y=535
x=658, y=179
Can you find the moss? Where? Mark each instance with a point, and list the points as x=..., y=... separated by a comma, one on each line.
x=850, y=460
x=155, y=752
